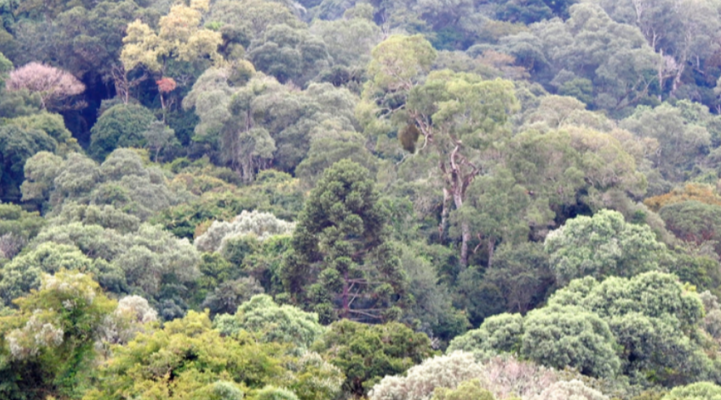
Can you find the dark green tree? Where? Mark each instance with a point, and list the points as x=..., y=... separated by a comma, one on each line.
x=367, y=353
x=16, y=146
x=341, y=264
x=122, y=125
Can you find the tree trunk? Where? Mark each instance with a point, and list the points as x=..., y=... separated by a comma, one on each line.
x=162, y=105
x=465, y=228
x=346, y=291
x=444, y=214
x=465, y=238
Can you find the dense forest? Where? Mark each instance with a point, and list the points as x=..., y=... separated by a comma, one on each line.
x=360, y=199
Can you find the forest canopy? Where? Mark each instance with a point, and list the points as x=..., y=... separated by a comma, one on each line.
x=360, y=199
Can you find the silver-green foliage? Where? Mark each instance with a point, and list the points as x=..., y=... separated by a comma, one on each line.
x=259, y=224
x=142, y=257
x=121, y=181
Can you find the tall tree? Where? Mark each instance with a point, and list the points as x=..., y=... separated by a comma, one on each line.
x=458, y=115
x=342, y=264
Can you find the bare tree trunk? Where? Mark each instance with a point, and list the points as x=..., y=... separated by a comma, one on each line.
x=465, y=228
x=465, y=238
x=162, y=104
x=444, y=213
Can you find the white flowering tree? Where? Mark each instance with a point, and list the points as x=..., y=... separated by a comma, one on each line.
x=48, y=343
x=259, y=224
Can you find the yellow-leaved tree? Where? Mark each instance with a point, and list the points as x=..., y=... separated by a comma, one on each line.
x=180, y=36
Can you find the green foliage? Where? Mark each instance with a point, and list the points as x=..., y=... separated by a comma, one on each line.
x=272, y=323
x=193, y=356
x=569, y=336
x=465, y=391
x=17, y=226
x=366, y=353
x=47, y=345
x=648, y=314
x=122, y=125
x=340, y=250
x=681, y=140
x=499, y=333
x=701, y=390
x=16, y=146
x=121, y=181
x=601, y=246
x=24, y=273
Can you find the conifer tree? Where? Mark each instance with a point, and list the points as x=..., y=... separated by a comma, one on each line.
x=341, y=264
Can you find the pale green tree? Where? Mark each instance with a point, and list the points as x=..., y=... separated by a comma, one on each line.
x=600, y=246
x=272, y=323
x=701, y=390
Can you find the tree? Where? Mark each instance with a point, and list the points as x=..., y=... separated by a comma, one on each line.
x=572, y=171
x=229, y=294
x=17, y=145
x=682, y=142
x=349, y=40
x=289, y=55
x=569, y=336
x=123, y=125
x=458, y=115
x=342, y=263
x=522, y=274
x=47, y=345
x=701, y=390
x=17, y=227
x=649, y=314
x=571, y=389
x=680, y=31
x=690, y=192
x=432, y=309
x=601, y=246
x=24, y=273
x=367, y=353
x=122, y=181
x=199, y=362
x=54, y=85
x=273, y=323
x=420, y=381
x=465, y=391
x=504, y=377
x=499, y=333
x=159, y=137
x=694, y=222
x=260, y=225
x=329, y=146
x=179, y=36
x=494, y=208
x=589, y=45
